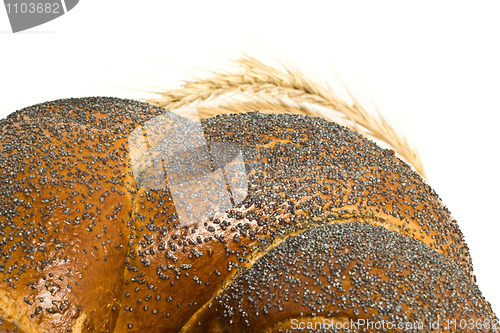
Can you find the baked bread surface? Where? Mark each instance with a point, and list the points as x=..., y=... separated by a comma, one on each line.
x=118, y=216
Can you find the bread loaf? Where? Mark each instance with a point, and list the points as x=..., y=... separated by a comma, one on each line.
x=118, y=216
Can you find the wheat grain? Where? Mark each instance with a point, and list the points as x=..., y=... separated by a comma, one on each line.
x=268, y=89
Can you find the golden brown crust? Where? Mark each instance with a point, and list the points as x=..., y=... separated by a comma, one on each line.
x=66, y=200
x=293, y=185
x=7, y=326
x=185, y=212
x=352, y=275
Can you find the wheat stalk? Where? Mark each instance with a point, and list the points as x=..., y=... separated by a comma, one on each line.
x=270, y=88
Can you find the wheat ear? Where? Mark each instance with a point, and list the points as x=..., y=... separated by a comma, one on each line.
x=286, y=90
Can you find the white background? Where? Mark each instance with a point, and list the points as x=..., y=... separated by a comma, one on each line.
x=432, y=67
